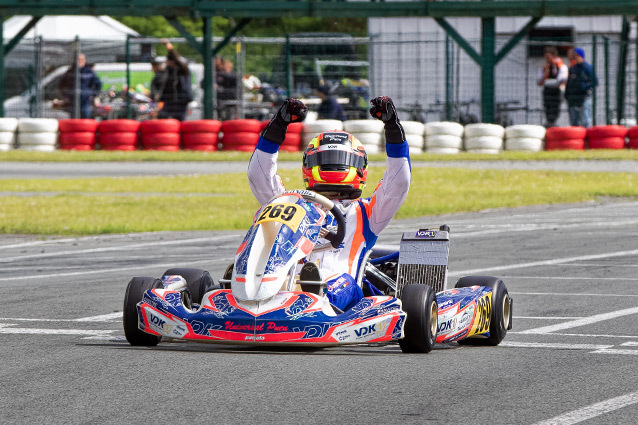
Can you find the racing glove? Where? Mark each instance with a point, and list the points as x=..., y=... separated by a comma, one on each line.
x=383, y=109
x=293, y=110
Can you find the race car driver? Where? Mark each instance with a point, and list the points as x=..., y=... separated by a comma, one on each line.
x=335, y=165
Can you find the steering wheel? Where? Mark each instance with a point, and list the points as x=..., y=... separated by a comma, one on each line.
x=335, y=239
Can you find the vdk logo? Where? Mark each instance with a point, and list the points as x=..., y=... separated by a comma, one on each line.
x=426, y=233
x=370, y=329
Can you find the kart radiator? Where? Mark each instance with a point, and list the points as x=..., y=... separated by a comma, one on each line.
x=423, y=258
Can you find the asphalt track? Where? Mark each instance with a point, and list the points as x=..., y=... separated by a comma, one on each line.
x=572, y=356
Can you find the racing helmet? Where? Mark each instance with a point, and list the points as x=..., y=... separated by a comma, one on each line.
x=336, y=165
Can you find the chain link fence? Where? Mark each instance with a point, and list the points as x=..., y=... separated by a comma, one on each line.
x=428, y=75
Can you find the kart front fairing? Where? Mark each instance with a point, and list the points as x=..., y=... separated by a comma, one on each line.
x=464, y=313
x=283, y=232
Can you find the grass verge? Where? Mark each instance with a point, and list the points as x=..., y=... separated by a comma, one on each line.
x=223, y=201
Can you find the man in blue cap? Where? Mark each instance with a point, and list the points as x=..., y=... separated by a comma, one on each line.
x=580, y=85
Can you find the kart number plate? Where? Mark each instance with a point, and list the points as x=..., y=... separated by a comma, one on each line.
x=285, y=212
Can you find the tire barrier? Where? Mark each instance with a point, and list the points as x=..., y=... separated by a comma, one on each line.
x=311, y=129
x=414, y=135
x=8, y=127
x=484, y=138
x=369, y=132
x=240, y=135
x=443, y=137
x=606, y=137
x=632, y=135
x=523, y=137
x=200, y=135
x=77, y=134
x=565, y=138
x=37, y=134
x=160, y=135
x=118, y=135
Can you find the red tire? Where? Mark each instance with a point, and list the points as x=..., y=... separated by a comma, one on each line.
x=73, y=147
x=606, y=131
x=569, y=144
x=118, y=139
x=241, y=138
x=241, y=126
x=119, y=148
x=289, y=148
x=292, y=140
x=295, y=127
x=155, y=140
x=203, y=148
x=77, y=138
x=201, y=126
x=77, y=125
x=200, y=139
x=163, y=148
x=633, y=143
x=607, y=143
x=565, y=133
x=160, y=126
x=632, y=133
x=118, y=126
x=241, y=148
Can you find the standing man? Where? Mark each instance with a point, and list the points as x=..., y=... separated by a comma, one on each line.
x=329, y=108
x=552, y=77
x=176, y=92
x=580, y=85
x=90, y=86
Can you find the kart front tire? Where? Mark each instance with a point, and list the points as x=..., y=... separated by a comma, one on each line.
x=419, y=303
x=198, y=281
x=134, y=293
x=501, y=312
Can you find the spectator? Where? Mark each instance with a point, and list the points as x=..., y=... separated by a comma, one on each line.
x=176, y=92
x=580, y=85
x=90, y=86
x=329, y=108
x=159, y=78
x=552, y=77
x=225, y=79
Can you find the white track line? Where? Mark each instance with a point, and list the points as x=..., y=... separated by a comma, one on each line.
x=4, y=329
x=560, y=346
x=583, y=335
x=565, y=294
x=592, y=411
x=582, y=322
x=121, y=247
x=102, y=318
x=546, y=318
x=633, y=279
x=616, y=351
x=117, y=269
x=546, y=262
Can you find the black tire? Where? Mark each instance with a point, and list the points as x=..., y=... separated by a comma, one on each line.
x=500, y=317
x=198, y=281
x=419, y=302
x=134, y=293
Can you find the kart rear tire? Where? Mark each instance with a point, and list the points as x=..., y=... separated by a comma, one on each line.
x=134, y=294
x=501, y=312
x=419, y=302
x=198, y=282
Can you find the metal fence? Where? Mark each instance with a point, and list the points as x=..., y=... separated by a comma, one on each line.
x=428, y=75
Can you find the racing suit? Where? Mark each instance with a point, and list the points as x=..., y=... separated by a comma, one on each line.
x=364, y=218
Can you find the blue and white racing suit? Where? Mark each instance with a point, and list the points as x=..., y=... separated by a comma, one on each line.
x=365, y=218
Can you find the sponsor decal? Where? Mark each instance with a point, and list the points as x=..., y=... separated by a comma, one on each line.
x=425, y=234
x=446, y=303
x=254, y=338
x=229, y=325
x=380, y=327
x=160, y=323
x=483, y=314
x=447, y=326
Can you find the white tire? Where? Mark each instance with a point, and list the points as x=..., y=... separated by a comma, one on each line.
x=443, y=127
x=525, y=131
x=38, y=148
x=442, y=151
x=37, y=139
x=372, y=149
x=414, y=141
x=443, y=141
x=416, y=151
x=481, y=129
x=320, y=126
x=363, y=126
x=5, y=147
x=37, y=125
x=484, y=142
x=413, y=127
x=487, y=151
x=369, y=138
x=528, y=144
x=7, y=138
x=8, y=124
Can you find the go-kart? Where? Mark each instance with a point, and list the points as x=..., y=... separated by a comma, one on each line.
x=264, y=299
